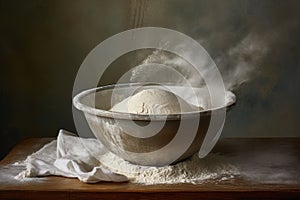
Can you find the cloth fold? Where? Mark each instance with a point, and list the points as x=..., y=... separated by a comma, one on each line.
x=70, y=156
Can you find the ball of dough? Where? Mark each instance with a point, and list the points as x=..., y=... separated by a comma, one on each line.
x=155, y=101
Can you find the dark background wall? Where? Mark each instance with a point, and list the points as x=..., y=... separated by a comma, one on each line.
x=43, y=43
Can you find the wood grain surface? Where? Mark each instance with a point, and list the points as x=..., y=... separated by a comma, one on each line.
x=66, y=188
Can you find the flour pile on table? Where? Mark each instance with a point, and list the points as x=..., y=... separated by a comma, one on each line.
x=193, y=170
x=70, y=156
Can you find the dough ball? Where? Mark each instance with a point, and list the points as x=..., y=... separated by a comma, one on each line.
x=155, y=101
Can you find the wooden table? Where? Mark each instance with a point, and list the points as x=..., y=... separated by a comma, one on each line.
x=282, y=155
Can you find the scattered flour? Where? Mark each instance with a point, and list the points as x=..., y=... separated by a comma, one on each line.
x=10, y=174
x=109, y=167
x=193, y=170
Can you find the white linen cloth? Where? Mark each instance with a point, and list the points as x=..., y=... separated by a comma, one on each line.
x=70, y=156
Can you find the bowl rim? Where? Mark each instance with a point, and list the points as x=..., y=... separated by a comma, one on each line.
x=132, y=116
